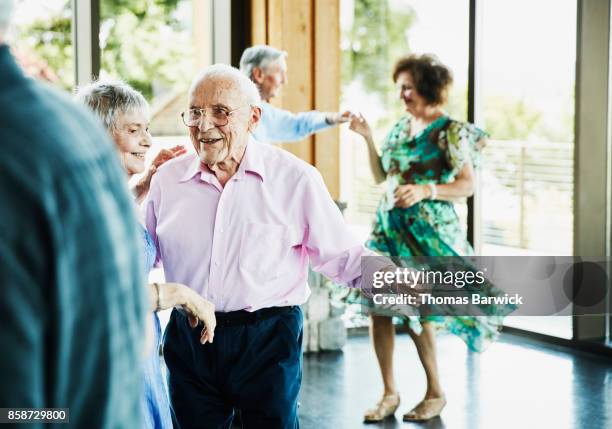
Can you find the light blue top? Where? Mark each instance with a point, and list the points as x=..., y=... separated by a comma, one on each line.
x=155, y=404
x=278, y=125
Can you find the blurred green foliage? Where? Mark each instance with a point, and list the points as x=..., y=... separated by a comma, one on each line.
x=376, y=39
x=145, y=43
x=50, y=40
x=378, y=36
x=513, y=118
x=139, y=8
x=142, y=42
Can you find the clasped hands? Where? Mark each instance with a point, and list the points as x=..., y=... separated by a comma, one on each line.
x=396, y=280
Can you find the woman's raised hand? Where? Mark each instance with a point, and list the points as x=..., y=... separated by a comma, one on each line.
x=164, y=155
x=360, y=125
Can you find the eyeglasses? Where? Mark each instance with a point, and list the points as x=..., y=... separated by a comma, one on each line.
x=217, y=115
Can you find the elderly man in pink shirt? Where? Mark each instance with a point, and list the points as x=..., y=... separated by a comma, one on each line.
x=239, y=222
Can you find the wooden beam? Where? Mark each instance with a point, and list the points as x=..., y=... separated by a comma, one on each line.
x=327, y=89
x=274, y=27
x=309, y=31
x=259, y=22
x=290, y=29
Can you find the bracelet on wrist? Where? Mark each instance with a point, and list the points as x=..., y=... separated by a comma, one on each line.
x=157, y=308
x=433, y=191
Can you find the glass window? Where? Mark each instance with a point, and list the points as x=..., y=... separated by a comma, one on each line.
x=150, y=45
x=42, y=41
x=374, y=34
x=528, y=107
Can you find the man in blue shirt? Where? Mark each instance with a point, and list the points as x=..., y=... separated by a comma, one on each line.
x=267, y=68
x=72, y=295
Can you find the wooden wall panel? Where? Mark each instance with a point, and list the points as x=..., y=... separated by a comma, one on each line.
x=274, y=29
x=309, y=30
x=298, y=93
x=327, y=89
x=259, y=11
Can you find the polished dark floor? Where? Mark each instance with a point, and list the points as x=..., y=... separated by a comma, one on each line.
x=516, y=383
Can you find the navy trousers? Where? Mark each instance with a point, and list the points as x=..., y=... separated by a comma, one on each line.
x=254, y=367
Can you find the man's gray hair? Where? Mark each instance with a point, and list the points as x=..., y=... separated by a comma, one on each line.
x=111, y=99
x=223, y=71
x=6, y=7
x=259, y=56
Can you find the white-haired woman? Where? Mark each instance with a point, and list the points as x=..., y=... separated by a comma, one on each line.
x=125, y=114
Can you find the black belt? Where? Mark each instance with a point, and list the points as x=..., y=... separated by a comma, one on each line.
x=243, y=317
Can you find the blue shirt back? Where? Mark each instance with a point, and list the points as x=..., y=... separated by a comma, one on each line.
x=72, y=300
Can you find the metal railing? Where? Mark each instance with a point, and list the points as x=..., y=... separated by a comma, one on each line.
x=527, y=195
x=527, y=190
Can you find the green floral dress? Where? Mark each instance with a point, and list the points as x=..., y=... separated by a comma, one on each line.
x=430, y=227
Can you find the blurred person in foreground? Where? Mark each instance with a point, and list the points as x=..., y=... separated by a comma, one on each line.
x=267, y=68
x=125, y=114
x=72, y=305
x=428, y=161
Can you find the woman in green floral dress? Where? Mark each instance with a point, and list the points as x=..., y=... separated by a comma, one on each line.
x=428, y=161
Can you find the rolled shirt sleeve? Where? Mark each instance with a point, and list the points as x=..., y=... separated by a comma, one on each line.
x=278, y=125
x=332, y=248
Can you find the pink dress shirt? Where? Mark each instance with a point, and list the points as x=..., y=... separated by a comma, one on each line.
x=247, y=245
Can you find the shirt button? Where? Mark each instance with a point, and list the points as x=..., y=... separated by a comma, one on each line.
x=217, y=263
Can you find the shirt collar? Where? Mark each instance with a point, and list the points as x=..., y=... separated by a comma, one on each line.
x=252, y=162
x=195, y=167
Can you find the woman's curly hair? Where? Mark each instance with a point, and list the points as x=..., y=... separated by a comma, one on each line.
x=431, y=78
